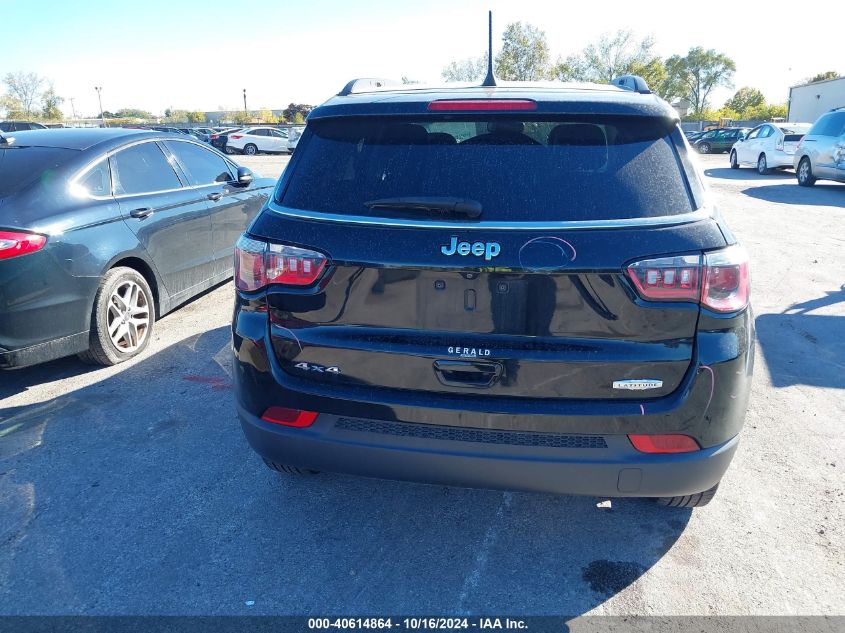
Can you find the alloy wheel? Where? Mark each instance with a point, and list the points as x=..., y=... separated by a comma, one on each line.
x=128, y=316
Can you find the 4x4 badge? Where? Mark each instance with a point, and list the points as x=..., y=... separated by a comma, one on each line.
x=488, y=249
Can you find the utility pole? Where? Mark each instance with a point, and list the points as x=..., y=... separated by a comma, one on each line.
x=99, y=90
x=72, y=106
x=245, y=110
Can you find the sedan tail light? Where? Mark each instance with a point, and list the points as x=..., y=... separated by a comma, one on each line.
x=718, y=280
x=14, y=244
x=235, y=136
x=259, y=264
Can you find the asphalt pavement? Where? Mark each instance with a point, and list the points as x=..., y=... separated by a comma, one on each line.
x=131, y=490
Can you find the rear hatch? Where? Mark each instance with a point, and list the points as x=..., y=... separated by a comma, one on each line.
x=792, y=138
x=528, y=299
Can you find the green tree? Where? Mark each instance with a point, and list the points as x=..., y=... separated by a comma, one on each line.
x=298, y=119
x=615, y=54
x=50, y=101
x=830, y=74
x=744, y=99
x=25, y=87
x=290, y=112
x=695, y=75
x=570, y=69
x=242, y=118
x=196, y=117
x=133, y=113
x=524, y=55
x=11, y=107
x=766, y=112
x=466, y=70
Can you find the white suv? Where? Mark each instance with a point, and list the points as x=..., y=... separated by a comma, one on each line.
x=768, y=146
x=253, y=140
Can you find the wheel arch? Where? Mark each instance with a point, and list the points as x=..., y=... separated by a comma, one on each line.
x=145, y=269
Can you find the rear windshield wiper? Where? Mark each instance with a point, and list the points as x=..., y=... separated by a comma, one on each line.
x=440, y=204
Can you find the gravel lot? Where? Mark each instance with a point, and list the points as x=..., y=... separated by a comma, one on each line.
x=132, y=490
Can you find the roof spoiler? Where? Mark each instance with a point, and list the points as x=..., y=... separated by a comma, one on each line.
x=366, y=84
x=634, y=83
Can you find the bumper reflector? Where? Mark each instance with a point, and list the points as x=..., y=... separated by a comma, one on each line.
x=671, y=443
x=289, y=417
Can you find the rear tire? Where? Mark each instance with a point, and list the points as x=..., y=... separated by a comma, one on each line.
x=734, y=163
x=762, y=165
x=289, y=470
x=229, y=150
x=689, y=501
x=805, y=173
x=250, y=149
x=122, y=318
x=704, y=148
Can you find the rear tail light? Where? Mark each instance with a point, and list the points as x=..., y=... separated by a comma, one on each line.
x=779, y=145
x=289, y=417
x=235, y=136
x=717, y=280
x=452, y=105
x=726, y=281
x=669, y=443
x=258, y=264
x=14, y=244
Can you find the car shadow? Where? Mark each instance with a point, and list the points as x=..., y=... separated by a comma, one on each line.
x=726, y=173
x=139, y=494
x=821, y=194
x=803, y=348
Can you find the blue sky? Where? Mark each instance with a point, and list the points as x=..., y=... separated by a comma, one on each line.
x=200, y=55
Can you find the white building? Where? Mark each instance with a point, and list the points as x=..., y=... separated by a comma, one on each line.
x=808, y=103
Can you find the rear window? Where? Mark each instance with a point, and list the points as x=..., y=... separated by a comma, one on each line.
x=560, y=169
x=22, y=166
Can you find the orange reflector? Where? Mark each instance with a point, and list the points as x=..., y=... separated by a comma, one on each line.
x=289, y=417
x=664, y=443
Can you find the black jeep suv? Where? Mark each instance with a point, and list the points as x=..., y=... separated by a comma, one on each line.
x=519, y=287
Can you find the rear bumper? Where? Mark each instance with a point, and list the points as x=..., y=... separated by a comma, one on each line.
x=779, y=159
x=509, y=460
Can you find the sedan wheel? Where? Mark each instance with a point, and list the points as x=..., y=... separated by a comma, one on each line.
x=805, y=173
x=734, y=163
x=122, y=319
x=762, y=166
x=228, y=150
x=250, y=149
x=704, y=148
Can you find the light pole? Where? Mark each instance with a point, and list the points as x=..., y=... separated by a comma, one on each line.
x=72, y=106
x=245, y=110
x=99, y=90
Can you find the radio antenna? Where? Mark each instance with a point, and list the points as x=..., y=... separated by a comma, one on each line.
x=489, y=80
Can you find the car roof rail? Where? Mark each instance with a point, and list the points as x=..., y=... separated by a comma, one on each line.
x=366, y=84
x=634, y=83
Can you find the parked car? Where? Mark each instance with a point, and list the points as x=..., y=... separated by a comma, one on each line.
x=220, y=140
x=293, y=137
x=693, y=136
x=102, y=231
x=255, y=140
x=20, y=126
x=474, y=287
x=172, y=130
x=719, y=140
x=768, y=146
x=821, y=153
x=203, y=133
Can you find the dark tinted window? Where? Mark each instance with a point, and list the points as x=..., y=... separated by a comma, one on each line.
x=260, y=132
x=143, y=169
x=97, y=181
x=204, y=166
x=22, y=166
x=581, y=168
x=829, y=125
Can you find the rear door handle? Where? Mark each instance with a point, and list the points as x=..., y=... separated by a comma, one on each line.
x=141, y=213
x=215, y=196
x=460, y=373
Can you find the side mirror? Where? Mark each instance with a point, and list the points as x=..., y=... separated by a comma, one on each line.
x=244, y=176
